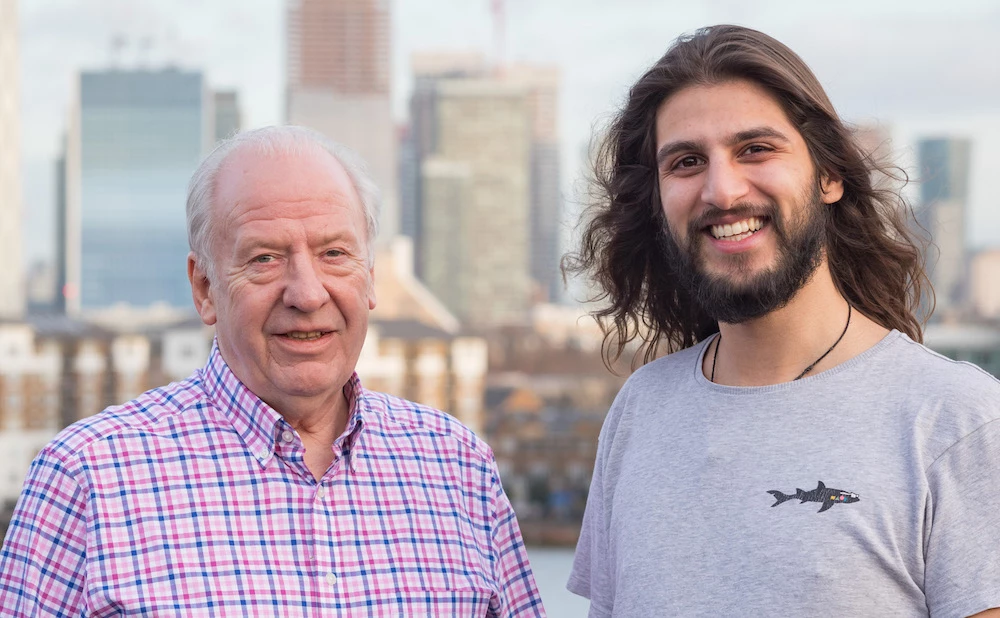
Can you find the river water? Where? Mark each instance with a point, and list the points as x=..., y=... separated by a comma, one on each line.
x=551, y=567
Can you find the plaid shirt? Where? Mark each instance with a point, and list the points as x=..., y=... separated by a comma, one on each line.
x=195, y=500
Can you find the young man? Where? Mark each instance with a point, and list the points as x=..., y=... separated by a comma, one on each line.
x=270, y=483
x=799, y=452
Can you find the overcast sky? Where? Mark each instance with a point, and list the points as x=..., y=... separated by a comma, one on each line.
x=918, y=67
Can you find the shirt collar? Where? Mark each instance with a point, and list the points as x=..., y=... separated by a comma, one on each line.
x=258, y=424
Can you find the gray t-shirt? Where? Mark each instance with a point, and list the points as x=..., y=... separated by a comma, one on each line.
x=871, y=489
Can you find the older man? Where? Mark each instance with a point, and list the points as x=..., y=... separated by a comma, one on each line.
x=270, y=482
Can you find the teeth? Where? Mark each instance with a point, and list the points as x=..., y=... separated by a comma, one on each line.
x=313, y=334
x=737, y=231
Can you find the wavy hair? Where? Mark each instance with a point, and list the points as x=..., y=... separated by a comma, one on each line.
x=873, y=252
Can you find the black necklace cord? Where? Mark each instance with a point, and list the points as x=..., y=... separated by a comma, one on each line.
x=718, y=342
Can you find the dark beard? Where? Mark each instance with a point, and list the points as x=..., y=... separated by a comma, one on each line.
x=800, y=252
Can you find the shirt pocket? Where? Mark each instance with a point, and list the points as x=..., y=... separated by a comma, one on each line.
x=415, y=602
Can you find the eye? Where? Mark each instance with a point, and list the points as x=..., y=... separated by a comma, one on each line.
x=753, y=149
x=334, y=253
x=687, y=162
x=263, y=259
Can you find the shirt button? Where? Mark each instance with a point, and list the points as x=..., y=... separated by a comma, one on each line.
x=321, y=493
x=263, y=455
x=331, y=579
x=287, y=436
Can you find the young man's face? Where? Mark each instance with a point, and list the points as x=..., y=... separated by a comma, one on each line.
x=740, y=196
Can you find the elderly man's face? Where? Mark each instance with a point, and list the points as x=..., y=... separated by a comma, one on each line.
x=293, y=286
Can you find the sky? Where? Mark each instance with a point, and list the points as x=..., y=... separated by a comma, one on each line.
x=917, y=67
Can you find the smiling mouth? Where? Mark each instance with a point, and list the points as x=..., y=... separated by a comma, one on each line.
x=305, y=335
x=738, y=230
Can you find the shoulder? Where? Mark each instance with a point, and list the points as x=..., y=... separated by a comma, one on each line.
x=675, y=366
x=945, y=401
x=399, y=418
x=661, y=376
x=153, y=411
x=936, y=376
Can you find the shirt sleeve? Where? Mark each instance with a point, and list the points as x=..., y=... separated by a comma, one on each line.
x=591, y=573
x=42, y=563
x=518, y=593
x=962, y=556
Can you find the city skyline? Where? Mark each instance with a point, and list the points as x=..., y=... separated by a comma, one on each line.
x=920, y=90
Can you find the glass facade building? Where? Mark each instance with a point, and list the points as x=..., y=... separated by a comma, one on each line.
x=141, y=136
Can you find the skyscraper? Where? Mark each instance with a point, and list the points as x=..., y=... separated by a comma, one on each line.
x=11, y=275
x=476, y=196
x=546, y=198
x=228, y=119
x=944, y=190
x=420, y=141
x=134, y=140
x=338, y=67
x=433, y=72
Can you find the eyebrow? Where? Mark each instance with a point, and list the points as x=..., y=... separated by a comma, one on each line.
x=671, y=148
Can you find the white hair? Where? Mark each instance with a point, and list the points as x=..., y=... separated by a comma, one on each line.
x=270, y=141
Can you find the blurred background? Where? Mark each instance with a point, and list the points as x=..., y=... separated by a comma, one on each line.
x=476, y=118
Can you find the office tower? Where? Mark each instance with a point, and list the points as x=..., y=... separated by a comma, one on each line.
x=11, y=275
x=135, y=138
x=420, y=140
x=228, y=119
x=476, y=195
x=338, y=65
x=542, y=83
x=944, y=189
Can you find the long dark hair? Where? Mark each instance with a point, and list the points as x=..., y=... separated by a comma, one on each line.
x=873, y=253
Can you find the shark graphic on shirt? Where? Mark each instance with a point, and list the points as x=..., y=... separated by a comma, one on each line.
x=826, y=495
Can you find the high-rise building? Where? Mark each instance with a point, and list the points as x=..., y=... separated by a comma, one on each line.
x=542, y=83
x=228, y=119
x=338, y=66
x=476, y=196
x=11, y=275
x=420, y=140
x=134, y=140
x=944, y=189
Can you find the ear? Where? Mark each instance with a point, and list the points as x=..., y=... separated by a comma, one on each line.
x=200, y=290
x=831, y=188
x=371, y=288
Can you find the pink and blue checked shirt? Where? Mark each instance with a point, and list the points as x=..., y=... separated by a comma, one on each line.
x=194, y=500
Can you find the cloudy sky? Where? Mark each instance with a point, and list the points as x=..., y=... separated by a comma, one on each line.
x=918, y=67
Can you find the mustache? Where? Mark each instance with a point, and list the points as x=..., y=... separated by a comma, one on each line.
x=712, y=214
x=744, y=211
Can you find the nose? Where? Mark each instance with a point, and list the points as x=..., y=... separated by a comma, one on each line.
x=304, y=289
x=725, y=184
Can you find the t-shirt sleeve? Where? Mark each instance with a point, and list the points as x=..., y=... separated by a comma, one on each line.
x=591, y=573
x=962, y=569
x=42, y=563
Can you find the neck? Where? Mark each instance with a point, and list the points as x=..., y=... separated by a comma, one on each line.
x=319, y=424
x=777, y=347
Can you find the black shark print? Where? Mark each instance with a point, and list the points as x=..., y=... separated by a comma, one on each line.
x=822, y=493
